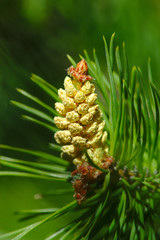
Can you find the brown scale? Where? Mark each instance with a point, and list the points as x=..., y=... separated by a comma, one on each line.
x=85, y=175
x=80, y=72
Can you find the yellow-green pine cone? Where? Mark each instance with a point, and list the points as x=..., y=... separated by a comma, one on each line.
x=80, y=123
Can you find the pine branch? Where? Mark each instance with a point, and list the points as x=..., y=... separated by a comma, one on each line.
x=122, y=201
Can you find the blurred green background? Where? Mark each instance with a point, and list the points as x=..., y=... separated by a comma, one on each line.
x=35, y=36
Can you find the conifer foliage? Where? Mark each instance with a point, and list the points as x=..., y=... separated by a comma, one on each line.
x=116, y=177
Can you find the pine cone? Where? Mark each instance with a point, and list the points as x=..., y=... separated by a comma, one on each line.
x=81, y=124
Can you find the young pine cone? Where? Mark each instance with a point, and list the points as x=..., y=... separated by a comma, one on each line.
x=80, y=123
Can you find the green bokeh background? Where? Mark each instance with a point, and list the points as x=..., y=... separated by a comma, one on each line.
x=35, y=36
